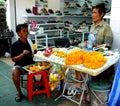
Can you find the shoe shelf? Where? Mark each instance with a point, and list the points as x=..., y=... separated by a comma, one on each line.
x=70, y=0
x=50, y=28
x=77, y=8
x=42, y=40
x=31, y=15
x=78, y=15
x=52, y=24
x=2, y=7
x=55, y=29
x=56, y=16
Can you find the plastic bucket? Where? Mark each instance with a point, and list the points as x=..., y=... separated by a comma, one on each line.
x=99, y=90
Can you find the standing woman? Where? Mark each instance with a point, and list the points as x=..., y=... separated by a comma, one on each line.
x=100, y=29
x=102, y=33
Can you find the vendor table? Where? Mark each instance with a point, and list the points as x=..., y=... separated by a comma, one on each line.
x=112, y=59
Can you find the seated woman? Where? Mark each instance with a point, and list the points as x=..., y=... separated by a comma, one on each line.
x=21, y=54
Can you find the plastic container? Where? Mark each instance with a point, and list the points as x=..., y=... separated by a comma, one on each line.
x=90, y=44
x=99, y=90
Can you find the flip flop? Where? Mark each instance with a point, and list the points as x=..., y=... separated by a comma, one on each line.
x=19, y=97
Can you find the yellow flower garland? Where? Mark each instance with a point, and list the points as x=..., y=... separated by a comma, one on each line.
x=93, y=60
x=74, y=57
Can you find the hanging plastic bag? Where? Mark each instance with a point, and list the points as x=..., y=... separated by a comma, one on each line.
x=57, y=73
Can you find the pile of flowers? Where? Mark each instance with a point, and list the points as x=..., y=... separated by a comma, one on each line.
x=59, y=53
x=93, y=60
x=74, y=57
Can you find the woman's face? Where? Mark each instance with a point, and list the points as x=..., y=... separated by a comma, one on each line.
x=96, y=16
x=23, y=33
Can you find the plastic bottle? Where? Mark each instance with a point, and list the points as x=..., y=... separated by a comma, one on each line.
x=90, y=43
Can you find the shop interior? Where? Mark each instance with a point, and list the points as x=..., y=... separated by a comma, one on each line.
x=54, y=24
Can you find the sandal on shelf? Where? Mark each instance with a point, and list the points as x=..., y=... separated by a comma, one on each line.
x=19, y=97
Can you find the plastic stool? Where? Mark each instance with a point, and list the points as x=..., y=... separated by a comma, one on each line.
x=99, y=92
x=31, y=83
x=22, y=80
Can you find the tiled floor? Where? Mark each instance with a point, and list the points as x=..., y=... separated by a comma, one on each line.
x=7, y=60
x=8, y=91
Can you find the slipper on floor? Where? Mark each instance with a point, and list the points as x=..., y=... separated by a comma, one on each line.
x=19, y=97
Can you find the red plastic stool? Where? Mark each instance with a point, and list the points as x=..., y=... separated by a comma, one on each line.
x=31, y=83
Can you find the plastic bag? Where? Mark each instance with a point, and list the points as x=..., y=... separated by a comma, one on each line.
x=57, y=73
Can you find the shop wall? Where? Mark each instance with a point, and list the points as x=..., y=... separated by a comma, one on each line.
x=10, y=14
x=21, y=5
x=15, y=11
x=115, y=23
x=54, y=4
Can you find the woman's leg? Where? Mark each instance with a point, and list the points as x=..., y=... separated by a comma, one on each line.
x=16, y=79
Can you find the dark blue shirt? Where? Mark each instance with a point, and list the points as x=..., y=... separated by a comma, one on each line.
x=17, y=49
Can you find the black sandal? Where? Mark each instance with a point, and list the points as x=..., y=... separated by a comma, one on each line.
x=19, y=97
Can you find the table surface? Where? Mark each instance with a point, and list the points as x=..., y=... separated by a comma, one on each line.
x=112, y=59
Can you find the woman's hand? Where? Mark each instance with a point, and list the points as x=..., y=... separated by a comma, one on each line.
x=25, y=52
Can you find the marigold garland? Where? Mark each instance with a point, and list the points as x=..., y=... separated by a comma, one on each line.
x=74, y=57
x=93, y=60
x=59, y=53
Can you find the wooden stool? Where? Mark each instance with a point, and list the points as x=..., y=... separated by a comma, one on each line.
x=43, y=81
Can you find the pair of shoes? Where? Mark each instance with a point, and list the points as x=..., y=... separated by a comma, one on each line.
x=28, y=10
x=19, y=97
x=50, y=11
x=44, y=11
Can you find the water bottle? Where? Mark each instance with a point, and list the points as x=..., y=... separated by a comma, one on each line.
x=90, y=43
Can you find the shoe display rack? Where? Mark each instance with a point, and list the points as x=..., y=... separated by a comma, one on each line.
x=74, y=15
x=54, y=26
x=39, y=38
x=53, y=22
x=45, y=34
x=79, y=8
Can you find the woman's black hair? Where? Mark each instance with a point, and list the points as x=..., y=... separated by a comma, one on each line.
x=101, y=8
x=18, y=27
